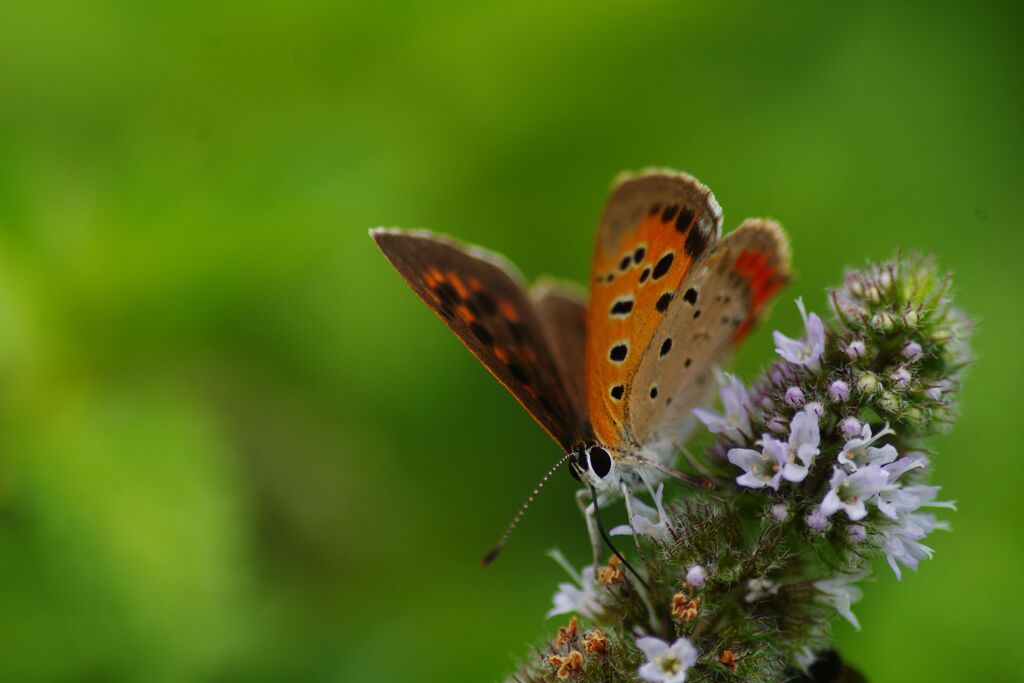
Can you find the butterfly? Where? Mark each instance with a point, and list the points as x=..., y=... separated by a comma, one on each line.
x=612, y=377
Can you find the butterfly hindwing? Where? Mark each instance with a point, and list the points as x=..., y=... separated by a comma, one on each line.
x=562, y=310
x=655, y=228
x=717, y=304
x=481, y=297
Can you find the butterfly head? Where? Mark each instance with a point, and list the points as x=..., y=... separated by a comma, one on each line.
x=595, y=464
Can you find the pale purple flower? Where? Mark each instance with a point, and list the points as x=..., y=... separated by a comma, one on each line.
x=737, y=406
x=838, y=391
x=815, y=519
x=850, y=492
x=760, y=469
x=859, y=451
x=794, y=397
x=841, y=594
x=912, y=351
x=934, y=393
x=666, y=663
x=802, y=448
x=849, y=426
x=856, y=349
x=581, y=596
x=910, y=461
x=647, y=521
x=696, y=576
x=760, y=588
x=805, y=352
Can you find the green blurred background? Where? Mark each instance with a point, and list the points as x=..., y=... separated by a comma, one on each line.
x=235, y=447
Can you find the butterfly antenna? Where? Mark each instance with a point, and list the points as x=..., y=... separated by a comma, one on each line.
x=492, y=554
x=608, y=541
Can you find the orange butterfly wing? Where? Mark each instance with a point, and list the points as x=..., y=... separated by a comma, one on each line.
x=654, y=228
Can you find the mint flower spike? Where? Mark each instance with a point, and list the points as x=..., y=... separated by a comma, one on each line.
x=666, y=663
x=828, y=446
x=806, y=352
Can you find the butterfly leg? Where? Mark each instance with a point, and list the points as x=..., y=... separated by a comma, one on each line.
x=587, y=509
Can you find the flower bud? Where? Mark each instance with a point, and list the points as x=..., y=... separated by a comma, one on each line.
x=850, y=427
x=780, y=512
x=889, y=402
x=856, y=533
x=900, y=377
x=794, y=397
x=856, y=349
x=934, y=392
x=838, y=391
x=696, y=576
x=885, y=280
x=867, y=382
x=911, y=318
x=816, y=408
x=816, y=519
x=912, y=351
x=883, y=321
x=872, y=295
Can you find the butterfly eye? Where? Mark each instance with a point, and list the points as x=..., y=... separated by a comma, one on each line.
x=600, y=461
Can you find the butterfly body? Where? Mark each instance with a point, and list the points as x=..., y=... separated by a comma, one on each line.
x=614, y=375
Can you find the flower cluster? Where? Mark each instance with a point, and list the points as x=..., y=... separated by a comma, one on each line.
x=816, y=469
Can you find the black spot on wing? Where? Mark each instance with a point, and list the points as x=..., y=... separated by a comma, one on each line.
x=626, y=260
x=482, y=333
x=639, y=254
x=517, y=371
x=654, y=392
x=617, y=391
x=666, y=346
x=684, y=219
x=663, y=301
x=663, y=265
x=645, y=274
x=618, y=353
x=695, y=243
x=669, y=213
x=622, y=307
x=691, y=296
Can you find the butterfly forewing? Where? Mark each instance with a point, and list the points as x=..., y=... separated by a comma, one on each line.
x=482, y=299
x=717, y=304
x=654, y=230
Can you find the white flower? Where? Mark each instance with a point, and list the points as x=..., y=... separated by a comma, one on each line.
x=901, y=542
x=582, y=596
x=647, y=521
x=858, y=451
x=840, y=593
x=806, y=352
x=760, y=469
x=760, y=588
x=696, y=576
x=737, y=406
x=666, y=663
x=850, y=492
x=804, y=437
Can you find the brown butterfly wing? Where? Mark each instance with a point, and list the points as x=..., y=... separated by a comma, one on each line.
x=481, y=298
x=654, y=230
x=717, y=304
x=562, y=309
